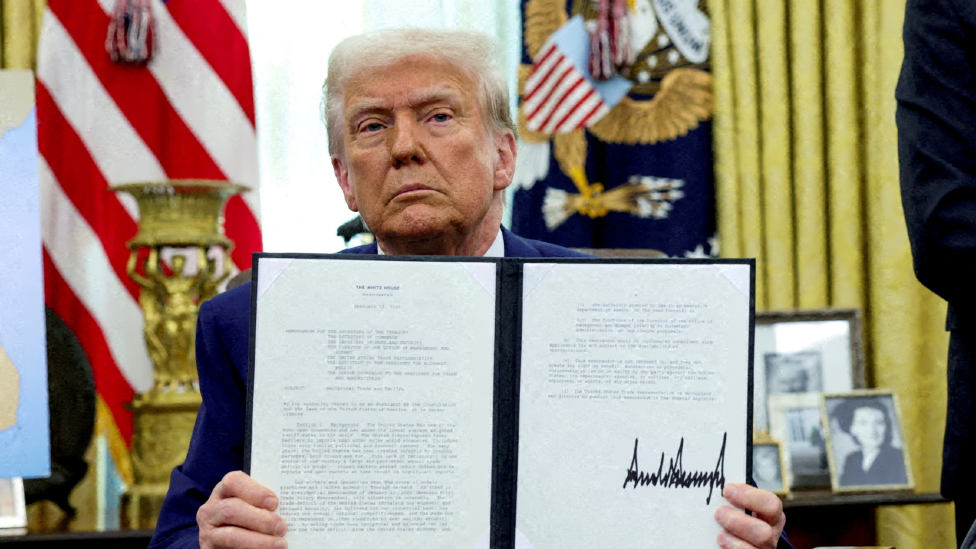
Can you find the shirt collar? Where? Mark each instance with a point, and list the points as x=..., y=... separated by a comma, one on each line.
x=497, y=248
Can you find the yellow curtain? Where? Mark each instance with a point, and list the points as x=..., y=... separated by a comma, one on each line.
x=807, y=183
x=20, y=25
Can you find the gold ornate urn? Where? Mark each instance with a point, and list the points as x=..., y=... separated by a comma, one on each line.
x=183, y=216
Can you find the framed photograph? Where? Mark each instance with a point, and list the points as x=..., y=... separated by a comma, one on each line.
x=865, y=441
x=799, y=372
x=805, y=352
x=768, y=466
x=795, y=420
x=13, y=511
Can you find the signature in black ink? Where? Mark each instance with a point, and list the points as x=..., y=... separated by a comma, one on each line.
x=676, y=476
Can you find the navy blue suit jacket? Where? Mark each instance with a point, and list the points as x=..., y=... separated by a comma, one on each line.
x=217, y=446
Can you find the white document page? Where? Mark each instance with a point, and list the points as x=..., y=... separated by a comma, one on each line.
x=634, y=395
x=372, y=400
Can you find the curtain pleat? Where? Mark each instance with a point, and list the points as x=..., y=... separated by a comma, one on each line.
x=747, y=138
x=774, y=154
x=844, y=157
x=727, y=189
x=21, y=24
x=807, y=175
x=806, y=45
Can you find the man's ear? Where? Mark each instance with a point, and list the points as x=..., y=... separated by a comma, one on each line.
x=342, y=176
x=506, y=149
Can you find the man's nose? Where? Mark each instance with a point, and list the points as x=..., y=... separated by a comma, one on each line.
x=407, y=142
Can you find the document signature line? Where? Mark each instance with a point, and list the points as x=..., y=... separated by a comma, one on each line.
x=675, y=476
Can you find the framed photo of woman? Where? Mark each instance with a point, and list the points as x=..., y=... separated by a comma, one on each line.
x=865, y=442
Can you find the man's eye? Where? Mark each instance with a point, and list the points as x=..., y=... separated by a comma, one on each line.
x=441, y=117
x=372, y=127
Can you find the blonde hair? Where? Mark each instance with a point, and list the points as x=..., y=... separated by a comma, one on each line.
x=473, y=53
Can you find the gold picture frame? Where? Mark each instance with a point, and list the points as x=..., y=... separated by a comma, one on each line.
x=850, y=469
x=795, y=420
x=767, y=478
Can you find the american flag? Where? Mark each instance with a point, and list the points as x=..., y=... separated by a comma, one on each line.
x=560, y=95
x=189, y=113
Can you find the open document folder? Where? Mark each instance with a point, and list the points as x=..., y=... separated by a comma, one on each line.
x=447, y=403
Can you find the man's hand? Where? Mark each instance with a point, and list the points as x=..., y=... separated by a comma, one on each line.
x=239, y=515
x=744, y=532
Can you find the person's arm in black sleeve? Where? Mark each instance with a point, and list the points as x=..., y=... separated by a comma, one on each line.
x=936, y=120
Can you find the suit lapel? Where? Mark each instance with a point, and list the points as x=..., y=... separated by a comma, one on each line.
x=517, y=247
x=369, y=249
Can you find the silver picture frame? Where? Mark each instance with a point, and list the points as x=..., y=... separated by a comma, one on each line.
x=805, y=352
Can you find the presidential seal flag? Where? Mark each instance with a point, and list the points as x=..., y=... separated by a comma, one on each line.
x=133, y=91
x=615, y=146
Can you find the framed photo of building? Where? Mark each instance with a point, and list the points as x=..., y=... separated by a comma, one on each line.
x=865, y=441
x=13, y=511
x=795, y=420
x=805, y=352
x=768, y=465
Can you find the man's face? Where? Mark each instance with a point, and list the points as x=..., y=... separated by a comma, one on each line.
x=418, y=162
x=868, y=427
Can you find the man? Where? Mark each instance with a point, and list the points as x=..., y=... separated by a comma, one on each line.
x=423, y=146
x=937, y=152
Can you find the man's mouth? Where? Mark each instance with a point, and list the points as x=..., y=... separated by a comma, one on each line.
x=411, y=189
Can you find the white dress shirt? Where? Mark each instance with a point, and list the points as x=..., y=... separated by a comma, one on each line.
x=497, y=248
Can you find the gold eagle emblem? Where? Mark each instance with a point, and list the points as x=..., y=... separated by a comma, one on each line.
x=681, y=98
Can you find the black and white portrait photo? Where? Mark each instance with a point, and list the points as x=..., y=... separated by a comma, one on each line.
x=865, y=442
x=793, y=372
x=767, y=469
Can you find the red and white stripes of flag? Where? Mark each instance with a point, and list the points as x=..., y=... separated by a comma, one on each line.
x=559, y=98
